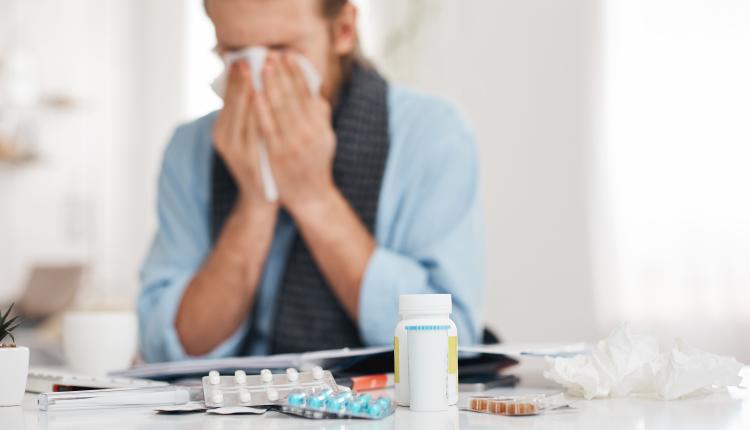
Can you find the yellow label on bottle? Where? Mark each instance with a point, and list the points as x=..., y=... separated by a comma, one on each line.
x=452, y=355
x=395, y=359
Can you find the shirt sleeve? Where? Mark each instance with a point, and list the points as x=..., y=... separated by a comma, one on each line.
x=435, y=243
x=179, y=247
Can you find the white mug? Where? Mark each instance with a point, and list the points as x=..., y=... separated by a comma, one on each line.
x=96, y=342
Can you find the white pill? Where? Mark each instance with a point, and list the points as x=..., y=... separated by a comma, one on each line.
x=218, y=397
x=291, y=374
x=214, y=378
x=240, y=376
x=266, y=375
x=244, y=396
x=272, y=394
x=317, y=372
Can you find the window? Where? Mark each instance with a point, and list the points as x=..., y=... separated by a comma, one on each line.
x=673, y=175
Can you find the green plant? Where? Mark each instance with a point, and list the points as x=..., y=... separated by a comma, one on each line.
x=7, y=325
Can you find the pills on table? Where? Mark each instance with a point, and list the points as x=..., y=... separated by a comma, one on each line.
x=296, y=399
x=479, y=403
x=244, y=396
x=292, y=375
x=520, y=408
x=272, y=394
x=240, y=388
x=335, y=404
x=317, y=401
x=496, y=406
x=311, y=394
x=384, y=402
x=375, y=410
x=317, y=373
x=504, y=406
x=240, y=376
x=354, y=406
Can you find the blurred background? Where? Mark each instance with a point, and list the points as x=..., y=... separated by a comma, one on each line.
x=614, y=139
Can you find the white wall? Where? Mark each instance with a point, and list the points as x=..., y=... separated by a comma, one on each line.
x=90, y=199
x=69, y=206
x=520, y=70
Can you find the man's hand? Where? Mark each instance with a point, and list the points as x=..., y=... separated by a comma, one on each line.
x=301, y=143
x=236, y=136
x=296, y=125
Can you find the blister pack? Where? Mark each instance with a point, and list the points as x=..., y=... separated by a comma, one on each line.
x=517, y=405
x=265, y=388
x=321, y=404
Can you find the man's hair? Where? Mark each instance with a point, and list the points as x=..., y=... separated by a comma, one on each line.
x=330, y=10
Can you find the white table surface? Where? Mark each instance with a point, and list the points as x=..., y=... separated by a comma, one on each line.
x=728, y=410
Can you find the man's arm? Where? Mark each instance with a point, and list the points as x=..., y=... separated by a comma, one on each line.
x=218, y=299
x=438, y=243
x=182, y=246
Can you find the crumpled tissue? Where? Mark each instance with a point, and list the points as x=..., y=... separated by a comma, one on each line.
x=628, y=363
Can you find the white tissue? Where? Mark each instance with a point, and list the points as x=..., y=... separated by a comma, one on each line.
x=255, y=57
x=628, y=363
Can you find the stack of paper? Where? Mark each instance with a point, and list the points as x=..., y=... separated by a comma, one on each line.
x=171, y=370
x=329, y=359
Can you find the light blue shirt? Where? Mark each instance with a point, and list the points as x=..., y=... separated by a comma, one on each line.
x=429, y=231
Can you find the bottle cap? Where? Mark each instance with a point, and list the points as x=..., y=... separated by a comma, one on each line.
x=424, y=304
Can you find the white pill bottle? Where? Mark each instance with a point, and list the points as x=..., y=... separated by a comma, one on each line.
x=424, y=309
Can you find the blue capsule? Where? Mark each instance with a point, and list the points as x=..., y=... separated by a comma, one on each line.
x=296, y=399
x=334, y=404
x=343, y=403
x=317, y=401
x=353, y=407
x=356, y=405
x=346, y=395
x=375, y=410
x=385, y=403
